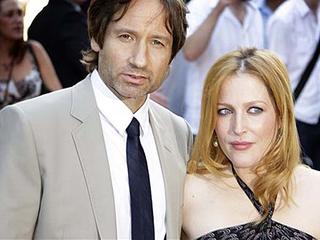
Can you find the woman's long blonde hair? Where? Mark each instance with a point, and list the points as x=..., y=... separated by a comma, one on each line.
x=276, y=167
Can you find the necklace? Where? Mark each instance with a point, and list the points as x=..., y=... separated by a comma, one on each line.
x=5, y=66
x=6, y=91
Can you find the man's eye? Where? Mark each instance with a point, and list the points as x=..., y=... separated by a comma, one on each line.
x=224, y=111
x=157, y=43
x=126, y=37
x=255, y=110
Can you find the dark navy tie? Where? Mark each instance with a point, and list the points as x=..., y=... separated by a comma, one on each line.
x=142, y=226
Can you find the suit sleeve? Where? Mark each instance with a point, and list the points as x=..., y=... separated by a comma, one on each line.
x=20, y=184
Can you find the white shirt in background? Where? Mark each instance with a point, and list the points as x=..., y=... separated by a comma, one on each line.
x=293, y=33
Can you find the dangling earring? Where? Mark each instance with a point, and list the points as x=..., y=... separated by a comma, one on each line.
x=215, y=143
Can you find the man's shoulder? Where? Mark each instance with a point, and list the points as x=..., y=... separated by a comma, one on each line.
x=59, y=98
x=56, y=100
x=169, y=120
x=165, y=113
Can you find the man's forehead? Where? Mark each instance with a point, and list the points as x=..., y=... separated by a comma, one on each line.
x=151, y=9
x=136, y=15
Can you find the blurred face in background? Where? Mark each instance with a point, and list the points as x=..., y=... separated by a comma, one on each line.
x=11, y=20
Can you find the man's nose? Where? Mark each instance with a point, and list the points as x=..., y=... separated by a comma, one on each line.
x=139, y=55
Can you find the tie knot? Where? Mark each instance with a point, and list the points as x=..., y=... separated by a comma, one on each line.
x=133, y=130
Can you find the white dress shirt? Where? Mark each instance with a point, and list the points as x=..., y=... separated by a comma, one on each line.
x=293, y=33
x=115, y=117
x=229, y=34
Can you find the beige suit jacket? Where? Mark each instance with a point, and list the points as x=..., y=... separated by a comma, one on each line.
x=54, y=174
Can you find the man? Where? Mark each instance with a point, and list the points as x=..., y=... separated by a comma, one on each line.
x=216, y=27
x=293, y=33
x=267, y=8
x=66, y=165
x=62, y=29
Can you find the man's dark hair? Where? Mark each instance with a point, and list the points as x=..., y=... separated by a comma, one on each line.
x=101, y=13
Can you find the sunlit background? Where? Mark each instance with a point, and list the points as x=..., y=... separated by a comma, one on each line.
x=32, y=7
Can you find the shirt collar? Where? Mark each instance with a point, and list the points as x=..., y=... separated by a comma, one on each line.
x=304, y=10
x=114, y=110
x=302, y=7
x=251, y=8
x=264, y=9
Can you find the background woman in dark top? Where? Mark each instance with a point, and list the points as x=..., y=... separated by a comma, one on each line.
x=24, y=66
x=245, y=179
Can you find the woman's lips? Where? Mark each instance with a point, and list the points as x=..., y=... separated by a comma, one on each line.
x=237, y=145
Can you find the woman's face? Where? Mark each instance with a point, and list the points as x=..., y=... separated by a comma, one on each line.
x=11, y=20
x=246, y=122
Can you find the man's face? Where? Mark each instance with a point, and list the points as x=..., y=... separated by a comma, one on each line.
x=136, y=52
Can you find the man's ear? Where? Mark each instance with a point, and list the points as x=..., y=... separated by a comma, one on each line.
x=94, y=45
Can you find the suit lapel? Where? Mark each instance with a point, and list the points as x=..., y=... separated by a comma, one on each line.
x=88, y=138
x=173, y=178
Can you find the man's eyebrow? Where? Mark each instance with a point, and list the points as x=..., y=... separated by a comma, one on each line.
x=124, y=29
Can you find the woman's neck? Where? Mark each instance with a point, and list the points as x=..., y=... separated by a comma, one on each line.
x=6, y=58
x=5, y=48
x=247, y=175
x=274, y=4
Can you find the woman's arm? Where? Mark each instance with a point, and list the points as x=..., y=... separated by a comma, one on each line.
x=46, y=68
x=198, y=42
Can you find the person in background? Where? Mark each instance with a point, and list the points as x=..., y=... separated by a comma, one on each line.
x=84, y=6
x=101, y=160
x=215, y=28
x=245, y=179
x=267, y=8
x=62, y=29
x=294, y=33
x=24, y=66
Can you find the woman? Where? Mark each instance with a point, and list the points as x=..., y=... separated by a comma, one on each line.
x=24, y=66
x=245, y=179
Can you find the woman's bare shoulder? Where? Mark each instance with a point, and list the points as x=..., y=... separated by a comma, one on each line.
x=304, y=174
x=307, y=182
x=306, y=197
x=37, y=47
x=194, y=181
x=203, y=186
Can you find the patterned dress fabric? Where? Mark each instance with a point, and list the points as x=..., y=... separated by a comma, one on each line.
x=26, y=88
x=266, y=230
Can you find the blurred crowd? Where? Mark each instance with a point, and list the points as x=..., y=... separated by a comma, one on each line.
x=50, y=58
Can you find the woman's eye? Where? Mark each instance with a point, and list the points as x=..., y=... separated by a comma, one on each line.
x=224, y=111
x=255, y=110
